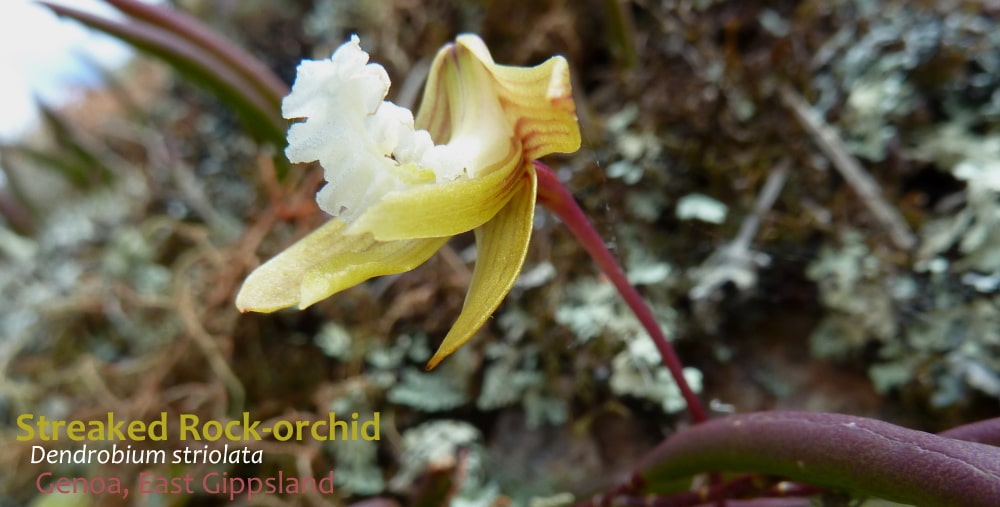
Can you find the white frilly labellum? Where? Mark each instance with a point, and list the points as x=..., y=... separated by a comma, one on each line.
x=367, y=146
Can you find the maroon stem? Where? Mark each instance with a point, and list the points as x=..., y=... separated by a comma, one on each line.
x=984, y=432
x=554, y=196
x=865, y=457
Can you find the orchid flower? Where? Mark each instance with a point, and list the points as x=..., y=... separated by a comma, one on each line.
x=399, y=188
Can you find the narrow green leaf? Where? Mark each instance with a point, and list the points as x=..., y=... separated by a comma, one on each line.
x=190, y=29
x=79, y=163
x=260, y=115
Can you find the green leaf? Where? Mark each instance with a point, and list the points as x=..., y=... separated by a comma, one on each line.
x=261, y=116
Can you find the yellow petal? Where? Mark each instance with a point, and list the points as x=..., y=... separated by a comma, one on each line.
x=502, y=246
x=537, y=101
x=443, y=209
x=328, y=261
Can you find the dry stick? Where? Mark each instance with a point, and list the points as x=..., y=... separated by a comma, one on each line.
x=738, y=251
x=206, y=342
x=765, y=201
x=554, y=195
x=849, y=167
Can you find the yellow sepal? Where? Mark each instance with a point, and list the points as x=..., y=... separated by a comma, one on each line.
x=502, y=244
x=325, y=262
x=541, y=99
x=537, y=101
x=444, y=209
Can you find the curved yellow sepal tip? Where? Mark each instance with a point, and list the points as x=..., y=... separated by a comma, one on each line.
x=537, y=101
x=325, y=262
x=502, y=246
x=540, y=100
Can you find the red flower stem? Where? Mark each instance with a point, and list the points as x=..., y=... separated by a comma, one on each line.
x=554, y=196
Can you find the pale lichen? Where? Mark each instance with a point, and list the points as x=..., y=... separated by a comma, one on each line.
x=439, y=445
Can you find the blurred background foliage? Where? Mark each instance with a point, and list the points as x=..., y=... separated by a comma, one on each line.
x=720, y=137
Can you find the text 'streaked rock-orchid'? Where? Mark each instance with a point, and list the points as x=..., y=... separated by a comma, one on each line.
x=398, y=189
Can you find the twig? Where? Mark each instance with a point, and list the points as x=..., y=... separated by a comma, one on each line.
x=207, y=343
x=849, y=167
x=765, y=201
x=734, y=261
